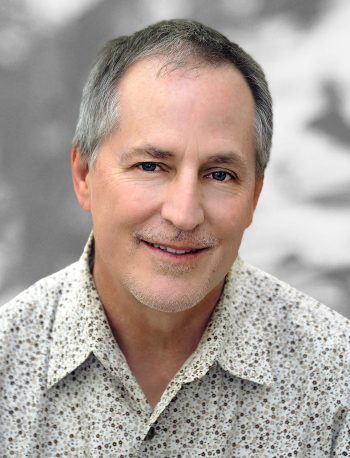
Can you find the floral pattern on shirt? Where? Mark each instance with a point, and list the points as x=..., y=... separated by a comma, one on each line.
x=270, y=377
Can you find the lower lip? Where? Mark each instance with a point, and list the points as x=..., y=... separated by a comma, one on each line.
x=175, y=257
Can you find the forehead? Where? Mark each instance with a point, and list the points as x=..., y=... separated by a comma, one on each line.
x=163, y=74
x=207, y=104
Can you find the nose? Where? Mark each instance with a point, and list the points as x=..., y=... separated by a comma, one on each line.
x=182, y=205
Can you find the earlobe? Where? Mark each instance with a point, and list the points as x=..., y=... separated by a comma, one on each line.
x=81, y=178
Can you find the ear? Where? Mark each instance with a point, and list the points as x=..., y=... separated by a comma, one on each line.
x=257, y=190
x=81, y=178
x=258, y=187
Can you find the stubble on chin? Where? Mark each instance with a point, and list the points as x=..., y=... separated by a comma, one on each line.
x=172, y=301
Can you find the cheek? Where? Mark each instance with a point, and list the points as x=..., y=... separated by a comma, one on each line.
x=122, y=203
x=230, y=217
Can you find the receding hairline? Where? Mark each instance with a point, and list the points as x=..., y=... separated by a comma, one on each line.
x=166, y=68
x=188, y=68
x=183, y=43
x=188, y=63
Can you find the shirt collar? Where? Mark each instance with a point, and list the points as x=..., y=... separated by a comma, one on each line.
x=236, y=336
x=246, y=323
x=81, y=326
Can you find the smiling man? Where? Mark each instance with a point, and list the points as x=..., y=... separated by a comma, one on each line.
x=160, y=340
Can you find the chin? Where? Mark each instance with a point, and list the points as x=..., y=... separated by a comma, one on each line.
x=167, y=300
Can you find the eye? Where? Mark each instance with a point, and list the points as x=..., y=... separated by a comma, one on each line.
x=148, y=166
x=221, y=175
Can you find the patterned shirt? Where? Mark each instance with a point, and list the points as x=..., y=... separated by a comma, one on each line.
x=269, y=378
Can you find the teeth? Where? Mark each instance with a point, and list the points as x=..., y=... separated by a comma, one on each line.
x=171, y=250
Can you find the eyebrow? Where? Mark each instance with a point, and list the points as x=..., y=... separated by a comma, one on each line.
x=229, y=158
x=148, y=150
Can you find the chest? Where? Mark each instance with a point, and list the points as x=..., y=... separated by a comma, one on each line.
x=90, y=413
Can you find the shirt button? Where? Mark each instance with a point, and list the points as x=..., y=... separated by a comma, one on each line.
x=150, y=434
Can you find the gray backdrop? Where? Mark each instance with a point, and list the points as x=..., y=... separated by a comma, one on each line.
x=301, y=231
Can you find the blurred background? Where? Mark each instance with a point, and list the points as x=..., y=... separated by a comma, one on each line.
x=301, y=231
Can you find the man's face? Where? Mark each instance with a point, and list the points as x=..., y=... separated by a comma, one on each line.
x=174, y=187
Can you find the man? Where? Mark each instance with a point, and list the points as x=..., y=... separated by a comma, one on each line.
x=160, y=340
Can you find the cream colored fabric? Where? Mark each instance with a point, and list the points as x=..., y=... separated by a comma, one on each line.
x=270, y=377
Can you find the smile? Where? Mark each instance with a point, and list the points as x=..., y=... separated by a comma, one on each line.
x=174, y=251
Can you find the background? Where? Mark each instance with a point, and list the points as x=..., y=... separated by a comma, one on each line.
x=301, y=231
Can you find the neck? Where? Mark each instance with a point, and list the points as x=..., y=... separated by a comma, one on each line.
x=137, y=326
x=155, y=343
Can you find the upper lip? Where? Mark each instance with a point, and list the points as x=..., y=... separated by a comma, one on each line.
x=177, y=247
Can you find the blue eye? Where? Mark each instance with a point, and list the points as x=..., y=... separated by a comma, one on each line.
x=220, y=175
x=148, y=166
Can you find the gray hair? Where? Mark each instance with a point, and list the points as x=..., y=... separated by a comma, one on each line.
x=181, y=42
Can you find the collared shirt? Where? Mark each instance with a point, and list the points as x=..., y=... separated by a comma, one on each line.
x=269, y=378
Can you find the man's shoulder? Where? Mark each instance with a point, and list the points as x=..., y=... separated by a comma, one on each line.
x=34, y=308
x=295, y=314
x=307, y=343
